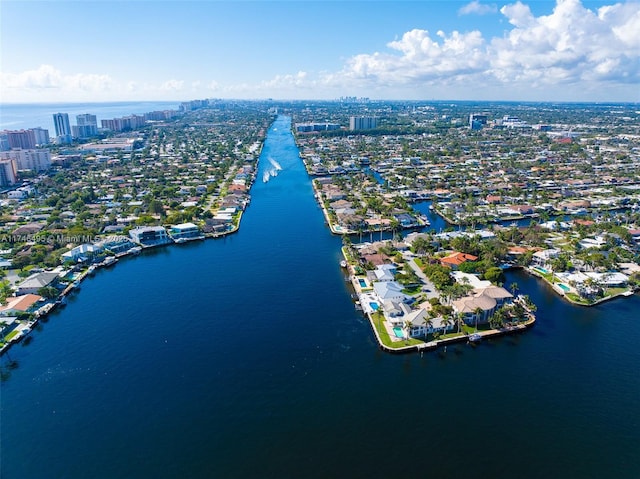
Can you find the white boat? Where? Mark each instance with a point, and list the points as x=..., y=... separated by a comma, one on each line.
x=474, y=338
x=109, y=261
x=343, y=263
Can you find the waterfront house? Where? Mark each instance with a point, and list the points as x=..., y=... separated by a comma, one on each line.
x=150, y=235
x=7, y=324
x=81, y=254
x=479, y=306
x=390, y=290
x=542, y=258
x=20, y=304
x=33, y=283
x=418, y=324
x=115, y=244
x=384, y=272
x=185, y=231
x=376, y=259
x=393, y=310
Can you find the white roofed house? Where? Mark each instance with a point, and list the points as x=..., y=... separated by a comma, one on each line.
x=150, y=236
x=82, y=253
x=384, y=272
x=392, y=290
x=185, y=232
x=394, y=311
x=115, y=244
x=542, y=258
x=418, y=323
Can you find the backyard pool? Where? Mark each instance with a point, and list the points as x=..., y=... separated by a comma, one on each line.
x=542, y=270
x=374, y=306
x=564, y=287
x=398, y=332
x=363, y=283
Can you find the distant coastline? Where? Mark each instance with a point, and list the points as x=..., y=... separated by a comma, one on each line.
x=16, y=116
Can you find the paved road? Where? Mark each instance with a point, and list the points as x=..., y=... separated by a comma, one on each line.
x=428, y=287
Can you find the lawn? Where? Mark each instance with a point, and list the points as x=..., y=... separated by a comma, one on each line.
x=378, y=320
x=11, y=335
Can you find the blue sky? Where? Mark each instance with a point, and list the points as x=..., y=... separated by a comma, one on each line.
x=460, y=50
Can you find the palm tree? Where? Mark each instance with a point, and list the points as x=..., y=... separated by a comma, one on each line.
x=459, y=321
x=514, y=288
x=477, y=312
x=446, y=321
x=408, y=324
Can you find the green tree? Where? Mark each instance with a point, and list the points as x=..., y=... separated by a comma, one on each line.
x=48, y=292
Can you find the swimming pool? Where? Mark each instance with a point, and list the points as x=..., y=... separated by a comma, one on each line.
x=542, y=270
x=374, y=306
x=363, y=283
x=564, y=287
x=399, y=333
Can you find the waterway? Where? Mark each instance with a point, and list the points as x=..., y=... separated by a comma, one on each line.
x=244, y=357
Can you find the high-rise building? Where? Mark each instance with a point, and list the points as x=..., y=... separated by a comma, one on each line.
x=4, y=142
x=34, y=160
x=63, y=129
x=8, y=175
x=61, y=122
x=362, y=123
x=131, y=122
x=476, y=121
x=24, y=139
x=87, y=126
x=41, y=135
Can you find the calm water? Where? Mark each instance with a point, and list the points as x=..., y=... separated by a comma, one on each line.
x=18, y=116
x=244, y=357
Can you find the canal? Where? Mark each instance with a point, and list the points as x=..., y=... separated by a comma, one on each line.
x=244, y=357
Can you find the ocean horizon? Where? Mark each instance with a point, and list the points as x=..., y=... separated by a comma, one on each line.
x=18, y=116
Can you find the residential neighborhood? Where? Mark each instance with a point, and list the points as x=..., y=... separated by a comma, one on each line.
x=433, y=200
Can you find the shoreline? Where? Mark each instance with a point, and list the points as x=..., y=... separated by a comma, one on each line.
x=23, y=330
x=627, y=293
x=435, y=343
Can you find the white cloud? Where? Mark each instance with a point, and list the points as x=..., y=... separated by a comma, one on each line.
x=518, y=14
x=422, y=58
x=44, y=77
x=572, y=45
x=172, y=85
x=48, y=83
x=477, y=8
x=572, y=51
x=47, y=77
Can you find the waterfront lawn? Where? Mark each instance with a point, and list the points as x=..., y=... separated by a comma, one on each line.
x=615, y=291
x=576, y=298
x=378, y=320
x=455, y=334
x=11, y=335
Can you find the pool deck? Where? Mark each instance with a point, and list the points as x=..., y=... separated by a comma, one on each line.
x=563, y=293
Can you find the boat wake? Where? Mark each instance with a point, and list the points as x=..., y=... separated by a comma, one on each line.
x=275, y=164
x=271, y=172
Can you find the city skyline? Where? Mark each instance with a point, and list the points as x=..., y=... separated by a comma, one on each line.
x=416, y=50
